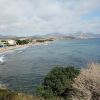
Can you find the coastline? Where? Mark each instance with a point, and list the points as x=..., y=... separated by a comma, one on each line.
x=6, y=49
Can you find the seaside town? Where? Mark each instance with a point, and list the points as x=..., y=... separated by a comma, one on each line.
x=10, y=44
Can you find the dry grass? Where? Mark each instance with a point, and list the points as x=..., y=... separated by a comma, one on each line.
x=21, y=96
x=8, y=95
x=87, y=84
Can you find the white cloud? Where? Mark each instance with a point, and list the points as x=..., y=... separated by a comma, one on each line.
x=45, y=16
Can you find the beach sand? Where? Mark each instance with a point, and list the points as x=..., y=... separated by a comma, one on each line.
x=8, y=48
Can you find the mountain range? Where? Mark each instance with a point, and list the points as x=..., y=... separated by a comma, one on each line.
x=78, y=35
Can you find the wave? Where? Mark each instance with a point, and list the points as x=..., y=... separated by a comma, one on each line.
x=8, y=54
x=2, y=59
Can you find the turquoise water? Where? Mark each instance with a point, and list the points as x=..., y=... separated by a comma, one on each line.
x=25, y=68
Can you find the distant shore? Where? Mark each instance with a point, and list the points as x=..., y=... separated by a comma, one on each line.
x=8, y=48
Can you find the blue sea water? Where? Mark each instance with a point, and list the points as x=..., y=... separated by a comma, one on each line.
x=25, y=68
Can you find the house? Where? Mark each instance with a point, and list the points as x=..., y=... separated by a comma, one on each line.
x=11, y=42
x=7, y=42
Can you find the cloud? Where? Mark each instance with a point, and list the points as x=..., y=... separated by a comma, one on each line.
x=47, y=16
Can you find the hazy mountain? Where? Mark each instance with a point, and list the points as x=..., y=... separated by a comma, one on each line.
x=81, y=35
x=77, y=35
x=58, y=36
x=7, y=36
x=1, y=36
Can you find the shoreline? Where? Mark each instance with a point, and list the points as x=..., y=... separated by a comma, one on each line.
x=7, y=49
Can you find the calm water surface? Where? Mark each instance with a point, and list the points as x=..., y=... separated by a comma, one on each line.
x=25, y=68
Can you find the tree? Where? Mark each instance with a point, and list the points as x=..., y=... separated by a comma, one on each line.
x=58, y=81
x=22, y=42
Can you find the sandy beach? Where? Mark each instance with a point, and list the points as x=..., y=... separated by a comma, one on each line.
x=8, y=48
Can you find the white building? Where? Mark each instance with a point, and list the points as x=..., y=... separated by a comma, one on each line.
x=11, y=42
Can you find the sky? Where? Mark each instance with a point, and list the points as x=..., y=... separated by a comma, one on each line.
x=37, y=17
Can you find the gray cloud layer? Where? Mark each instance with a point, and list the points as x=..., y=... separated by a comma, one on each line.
x=45, y=16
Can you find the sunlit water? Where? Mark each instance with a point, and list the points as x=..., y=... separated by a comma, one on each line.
x=25, y=68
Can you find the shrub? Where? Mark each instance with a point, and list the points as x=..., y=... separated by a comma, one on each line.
x=58, y=82
x=22, y=42
x=87, y=84
x=44, y=93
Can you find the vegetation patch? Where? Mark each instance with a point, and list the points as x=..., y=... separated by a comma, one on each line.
x=87, y=84
x=22, y=42
x=58, y=83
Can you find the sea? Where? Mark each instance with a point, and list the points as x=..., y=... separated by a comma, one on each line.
x=25, y=68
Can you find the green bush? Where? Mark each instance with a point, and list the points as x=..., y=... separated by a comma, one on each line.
x=58, y=82
x=22, y=42
x=41, y=92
